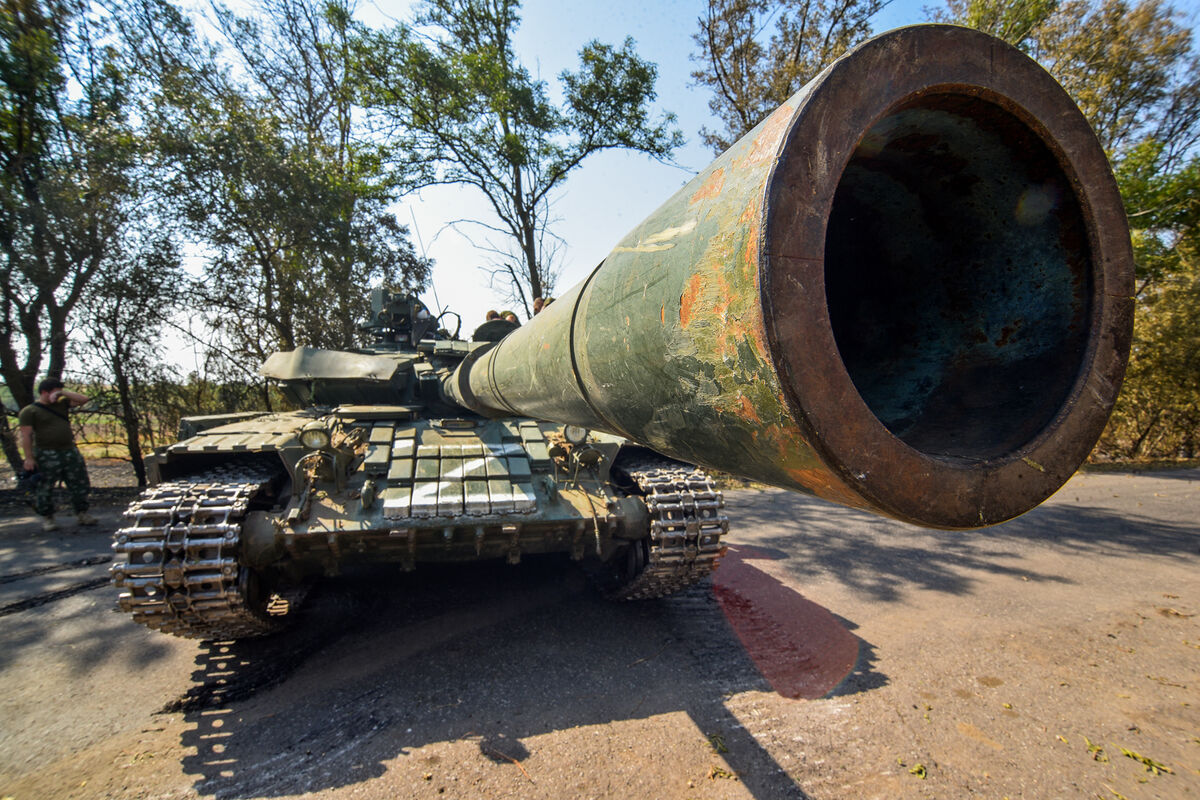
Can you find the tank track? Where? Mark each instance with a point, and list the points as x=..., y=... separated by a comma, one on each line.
x=686, y=526
x=176, y=563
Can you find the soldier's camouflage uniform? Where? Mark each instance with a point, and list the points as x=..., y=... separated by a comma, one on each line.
x=64, y=465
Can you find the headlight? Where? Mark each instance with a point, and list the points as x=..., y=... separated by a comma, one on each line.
x=575, y=434
x=314, y=436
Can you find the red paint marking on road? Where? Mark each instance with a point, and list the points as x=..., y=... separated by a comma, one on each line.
x=799, y=647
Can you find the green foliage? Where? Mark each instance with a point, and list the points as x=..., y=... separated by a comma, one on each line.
x=272, y=173
x=464, y=110
x=750, y=73
x=128, y=306
x=68, y=157
x=1016, y=22
x=162, y=400
x=1158, y=413
x=1118, y=61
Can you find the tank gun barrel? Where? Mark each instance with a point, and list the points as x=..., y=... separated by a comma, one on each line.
x=908, y=290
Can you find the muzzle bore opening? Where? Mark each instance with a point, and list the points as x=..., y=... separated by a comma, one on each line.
x=958, y=277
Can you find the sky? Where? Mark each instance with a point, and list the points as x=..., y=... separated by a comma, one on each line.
x=612, y=191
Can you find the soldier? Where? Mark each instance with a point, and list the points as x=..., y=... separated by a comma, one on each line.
x=494, y=329
x=49, y=446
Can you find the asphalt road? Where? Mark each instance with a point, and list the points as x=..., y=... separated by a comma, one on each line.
x=835, y=655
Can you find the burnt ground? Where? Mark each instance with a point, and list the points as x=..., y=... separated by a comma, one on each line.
x=834, y=655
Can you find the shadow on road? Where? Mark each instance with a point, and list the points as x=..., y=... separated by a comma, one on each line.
x=880, y=558
x=382, y=665
x=54, y=589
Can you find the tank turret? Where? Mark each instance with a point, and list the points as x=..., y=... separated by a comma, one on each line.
x=909, y=290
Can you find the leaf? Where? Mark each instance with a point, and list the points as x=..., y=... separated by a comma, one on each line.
x=1165, y=682
x=1096, y=750
x=717, y=742
x=919, y=770
x=718, y=772
x=1148, y=763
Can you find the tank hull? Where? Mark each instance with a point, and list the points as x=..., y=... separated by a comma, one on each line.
x=244, y=515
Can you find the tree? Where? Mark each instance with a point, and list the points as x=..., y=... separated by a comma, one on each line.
x=751, y=73
x=1017, y=22
x=129, y=305
x=1119, y=61
x=272, y=174
x=66, y=155
x=464, y=110
x=1158, y=411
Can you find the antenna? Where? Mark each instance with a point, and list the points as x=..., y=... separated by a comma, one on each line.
x=432, y=288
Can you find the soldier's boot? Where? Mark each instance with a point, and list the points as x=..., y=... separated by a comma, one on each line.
x=84, y=518
x=49, y=524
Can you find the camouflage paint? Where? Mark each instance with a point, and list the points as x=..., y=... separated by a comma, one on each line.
x=706, y=332
x=707, y=389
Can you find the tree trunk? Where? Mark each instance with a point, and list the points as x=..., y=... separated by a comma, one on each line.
x=526, y=219
x=1141, y=439
x=58, y=342
x=129, y=419
x=8, y=441
x=531, y=260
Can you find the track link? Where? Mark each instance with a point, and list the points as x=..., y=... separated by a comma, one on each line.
x=686, y=526
x=176, y=562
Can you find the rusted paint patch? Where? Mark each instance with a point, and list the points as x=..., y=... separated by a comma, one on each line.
x=752, y=213
x=747, y=409
x=687, y=301
x=711, y=187
x=823, y=485
x=719, y=313
x=766, y=144
x=751, y=257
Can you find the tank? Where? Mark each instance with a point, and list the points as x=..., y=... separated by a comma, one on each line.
x=247, y=510
x=909, y=291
